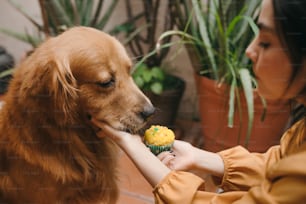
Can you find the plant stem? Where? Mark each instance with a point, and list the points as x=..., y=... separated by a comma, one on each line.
x=44, y=18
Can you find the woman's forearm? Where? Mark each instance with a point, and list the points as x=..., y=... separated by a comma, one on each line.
x=209, y=162
x=147, y=163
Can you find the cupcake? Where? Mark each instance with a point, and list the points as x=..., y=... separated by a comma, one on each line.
x=159, y=138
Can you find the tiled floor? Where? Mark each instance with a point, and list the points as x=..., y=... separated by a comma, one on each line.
x=134, y=189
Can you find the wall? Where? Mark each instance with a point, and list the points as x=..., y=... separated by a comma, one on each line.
x=13, y=20
x=177, y=60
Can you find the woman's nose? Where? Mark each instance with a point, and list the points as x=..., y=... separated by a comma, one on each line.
x=251, y=51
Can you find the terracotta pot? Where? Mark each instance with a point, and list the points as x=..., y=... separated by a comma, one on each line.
x=213, y=105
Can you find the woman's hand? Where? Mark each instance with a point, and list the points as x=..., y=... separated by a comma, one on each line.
x=182, y=156
x=120, y=137
x=147, y=163
x=186, y=157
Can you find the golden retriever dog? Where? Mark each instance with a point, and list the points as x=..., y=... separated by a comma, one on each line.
x=49, y=152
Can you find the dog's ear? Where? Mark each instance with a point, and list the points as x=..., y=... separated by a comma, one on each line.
x=63, y=87
x=52, y=87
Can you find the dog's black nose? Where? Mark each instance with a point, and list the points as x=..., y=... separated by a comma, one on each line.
x=147, y=111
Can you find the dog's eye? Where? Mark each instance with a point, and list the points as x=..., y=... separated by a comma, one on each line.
x=107, y=84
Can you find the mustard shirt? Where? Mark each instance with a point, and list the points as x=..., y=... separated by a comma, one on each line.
x=277, y=176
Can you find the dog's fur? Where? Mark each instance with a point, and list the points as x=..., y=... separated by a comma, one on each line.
x=49, y=152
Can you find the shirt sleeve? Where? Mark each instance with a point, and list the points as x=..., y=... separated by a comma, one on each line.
x=243, y=169
x=186, y=188
x=275, y=177
x=178, y=187
x=285, y=183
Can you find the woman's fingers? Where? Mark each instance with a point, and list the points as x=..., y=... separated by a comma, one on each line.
x=167, y=158
x=106, y=130
x=162, y=155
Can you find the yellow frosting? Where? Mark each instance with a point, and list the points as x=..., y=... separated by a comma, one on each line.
x=159, y=135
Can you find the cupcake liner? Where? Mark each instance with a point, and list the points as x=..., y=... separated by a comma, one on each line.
x=158, y=149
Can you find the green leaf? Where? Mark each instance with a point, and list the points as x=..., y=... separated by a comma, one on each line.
x=139, y=81
x=59, y=14
x=158, y=73
x=86, y=12
x=22, y=37
x=7, y=72
x=264, y=112
x=101, y=24
x=248, y=92
x=124, y=28
x=205, y=36
x=25, y=14
x=147, y=75
x=231, y=104
x=138, y=69
x=156, y=88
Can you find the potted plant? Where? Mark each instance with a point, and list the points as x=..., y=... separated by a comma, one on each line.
x=59, y=15
x=146, y=20
x=6, y=70
x=216, y=34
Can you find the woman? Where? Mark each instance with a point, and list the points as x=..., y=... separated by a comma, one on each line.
x=277, y=176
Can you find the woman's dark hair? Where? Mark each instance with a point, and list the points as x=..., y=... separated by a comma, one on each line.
x=290, y=22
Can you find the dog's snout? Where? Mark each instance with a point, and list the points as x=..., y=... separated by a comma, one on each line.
x=147, y=111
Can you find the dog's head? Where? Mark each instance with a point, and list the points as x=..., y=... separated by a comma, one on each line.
x=85, y=72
